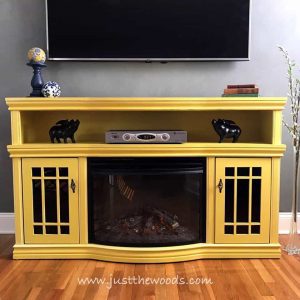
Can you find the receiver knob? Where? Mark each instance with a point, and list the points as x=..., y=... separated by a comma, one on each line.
x=165, y=137
x=126, y=137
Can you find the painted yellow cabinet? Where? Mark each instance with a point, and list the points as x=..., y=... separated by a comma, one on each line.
x=50, y=191
x=51, y=186
x=243, y=197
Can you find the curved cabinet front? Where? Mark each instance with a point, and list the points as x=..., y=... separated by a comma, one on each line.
x=147, y=255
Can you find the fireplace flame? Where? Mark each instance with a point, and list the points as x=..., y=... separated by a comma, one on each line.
x=125, y=190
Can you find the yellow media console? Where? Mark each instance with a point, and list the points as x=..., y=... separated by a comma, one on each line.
x=60, y=230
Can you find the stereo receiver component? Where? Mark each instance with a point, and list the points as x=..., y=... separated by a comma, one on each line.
x=145, y=137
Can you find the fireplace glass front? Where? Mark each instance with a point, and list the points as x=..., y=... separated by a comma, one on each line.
x=147, y=201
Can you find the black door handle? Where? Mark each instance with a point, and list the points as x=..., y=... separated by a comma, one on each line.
x=220, y=186
x=73, y=186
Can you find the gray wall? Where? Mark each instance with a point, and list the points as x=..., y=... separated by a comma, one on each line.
x=22, y=26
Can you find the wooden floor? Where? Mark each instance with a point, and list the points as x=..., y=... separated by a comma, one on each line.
x=230, y=279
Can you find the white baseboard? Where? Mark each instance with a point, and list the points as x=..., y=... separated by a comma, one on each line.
x=7, y=223
x=284, y=222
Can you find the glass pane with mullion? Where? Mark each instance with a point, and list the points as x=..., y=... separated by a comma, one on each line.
x=63, y=172
x=229, y=171
x=37, y=200
x=51, y=229
x=36, y=172
x=64, y=200
x=242, y=229
x=243, y=171
x=50, y=200
x=50, y=172
x=38, y=229
x=256, y=171
x=256, y=200
x=229, y=229
x=64, y=229
x=255, y=229
x=242, y=211
x=229, y=200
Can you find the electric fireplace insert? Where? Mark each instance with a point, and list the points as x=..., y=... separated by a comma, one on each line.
x=147, y=202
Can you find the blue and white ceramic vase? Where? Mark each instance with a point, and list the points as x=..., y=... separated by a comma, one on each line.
x=51, y=89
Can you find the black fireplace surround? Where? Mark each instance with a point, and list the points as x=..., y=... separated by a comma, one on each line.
x=147, y=202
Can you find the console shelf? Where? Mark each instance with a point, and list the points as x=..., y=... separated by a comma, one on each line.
x=257, y=117
x=145, y=103
x=43, y=171
x=132, y=150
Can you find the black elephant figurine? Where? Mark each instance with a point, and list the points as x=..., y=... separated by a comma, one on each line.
x=226, y=129
x=64, y=129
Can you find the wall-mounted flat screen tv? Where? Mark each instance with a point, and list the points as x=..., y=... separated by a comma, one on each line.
x=148, y=30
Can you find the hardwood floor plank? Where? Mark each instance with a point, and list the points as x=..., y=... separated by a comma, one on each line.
x=232, y=279
x=280, y=288
x=92, y=289
x=81, y=289
x=255, y=277
x=172, y=289
x=287, y=278
x=289, y=263
x=141, y=291
x=73, y=282
x=262, y=271
x=126, y=290
x=9, y=273
x=19, y=282
x=193, y=273
x=185, y=293
x=50, y=294
x=116, y=284
x=64, y=272
x=6, y=245
x=239, y=287
x=103, y=291
x=251, y=285
x=221, y=282
x=159, y=272
x=201, y=272
x=34, y=293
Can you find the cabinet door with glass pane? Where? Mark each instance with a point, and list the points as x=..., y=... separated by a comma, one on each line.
x=50, y=195
x=243, y=197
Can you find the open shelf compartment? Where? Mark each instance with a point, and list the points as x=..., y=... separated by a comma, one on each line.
x=256, y=125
